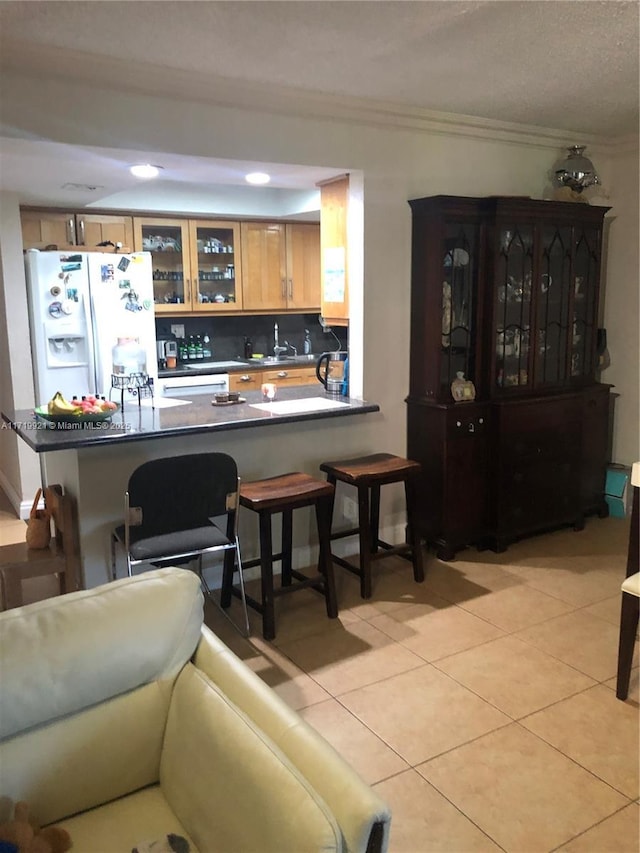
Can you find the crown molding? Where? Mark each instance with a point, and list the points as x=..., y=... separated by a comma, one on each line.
x=44, y=61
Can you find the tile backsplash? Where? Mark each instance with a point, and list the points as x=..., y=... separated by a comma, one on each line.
x=227, y=334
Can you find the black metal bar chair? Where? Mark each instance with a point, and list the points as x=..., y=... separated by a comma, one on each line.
x=179, y=509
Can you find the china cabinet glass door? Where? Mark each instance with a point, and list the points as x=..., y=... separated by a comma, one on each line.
x=512, y=307
x=553, y=301
x=459, y=309
x=216, y=259
x=586, y=264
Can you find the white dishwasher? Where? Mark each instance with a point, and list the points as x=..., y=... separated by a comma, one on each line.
x=185, y=387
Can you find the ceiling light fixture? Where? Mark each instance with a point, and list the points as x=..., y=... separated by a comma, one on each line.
x=145, y=170
x=257, y=178
x=576, y=171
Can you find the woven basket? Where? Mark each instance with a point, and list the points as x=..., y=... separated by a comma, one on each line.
x=38, y=525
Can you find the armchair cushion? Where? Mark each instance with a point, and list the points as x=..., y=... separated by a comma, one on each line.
x=56, y=660
x=215, y=771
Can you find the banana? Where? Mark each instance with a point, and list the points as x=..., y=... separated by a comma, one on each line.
x=58, y=405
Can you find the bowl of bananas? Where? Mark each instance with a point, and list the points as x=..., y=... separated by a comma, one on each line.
x=87, y=409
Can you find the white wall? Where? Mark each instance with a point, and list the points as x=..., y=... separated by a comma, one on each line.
x=621, y=307
x=19, y=469
x=398, y=163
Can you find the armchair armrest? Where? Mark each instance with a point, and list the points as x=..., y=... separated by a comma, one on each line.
x=363, y=817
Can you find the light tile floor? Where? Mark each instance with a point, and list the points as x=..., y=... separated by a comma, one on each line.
x=480, y=704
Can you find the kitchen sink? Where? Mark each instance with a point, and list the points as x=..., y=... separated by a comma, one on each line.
x=279, y=359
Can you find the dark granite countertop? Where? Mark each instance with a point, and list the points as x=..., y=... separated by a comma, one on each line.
x=140, y=423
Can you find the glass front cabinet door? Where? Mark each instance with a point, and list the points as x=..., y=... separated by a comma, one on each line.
x=195, y=263
x=168, y=242
x=445, y=311
x=544, y=293
x=215, y=269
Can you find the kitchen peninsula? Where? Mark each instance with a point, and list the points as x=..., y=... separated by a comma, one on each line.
x=266, y=439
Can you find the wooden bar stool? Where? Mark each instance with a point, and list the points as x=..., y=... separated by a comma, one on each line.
x=283, y=494
x=368, y=474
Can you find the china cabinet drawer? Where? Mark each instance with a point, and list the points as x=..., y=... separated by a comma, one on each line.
x=466, y=422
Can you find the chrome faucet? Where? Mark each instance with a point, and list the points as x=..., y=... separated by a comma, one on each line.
x=291, y=347
x=277, y=349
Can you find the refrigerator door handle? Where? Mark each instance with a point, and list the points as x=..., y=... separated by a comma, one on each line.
x=94, y=350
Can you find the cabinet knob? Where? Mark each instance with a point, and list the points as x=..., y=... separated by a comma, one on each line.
x=245, y=378
x=472, y=427
x=282, y=374
x=480, y=420
x=283, y=283
x=290, y=288
x=458, y=424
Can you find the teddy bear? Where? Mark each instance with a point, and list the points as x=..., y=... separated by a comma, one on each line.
x=19, y=836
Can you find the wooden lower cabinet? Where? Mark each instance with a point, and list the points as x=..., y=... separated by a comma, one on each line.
x=452, y=446
x=252, y=380
x=594, y=450
x=495, y=472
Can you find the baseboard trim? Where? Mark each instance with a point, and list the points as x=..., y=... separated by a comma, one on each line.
x=21, y=507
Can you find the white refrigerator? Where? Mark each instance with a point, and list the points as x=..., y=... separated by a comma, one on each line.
x=85, y=309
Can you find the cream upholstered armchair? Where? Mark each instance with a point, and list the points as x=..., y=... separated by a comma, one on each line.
x=123, y=719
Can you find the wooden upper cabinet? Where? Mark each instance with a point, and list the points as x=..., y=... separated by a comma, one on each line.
x=41, y=228
x=95, y=228
x=303, y=266
x=264, y=262
x=334, y=209
x=167, y=240
x=47, y=228
x=280, y=266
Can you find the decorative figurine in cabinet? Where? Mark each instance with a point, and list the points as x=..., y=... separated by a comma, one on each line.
x=504, y=298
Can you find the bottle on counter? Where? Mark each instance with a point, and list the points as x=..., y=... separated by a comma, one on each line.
x=183, y=352
x=207, y=352
x=248, y=348
x=191, y=348
x=199, y=348
x=307, y=342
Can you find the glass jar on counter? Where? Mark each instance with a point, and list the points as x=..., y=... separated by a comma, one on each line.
x=128, y=357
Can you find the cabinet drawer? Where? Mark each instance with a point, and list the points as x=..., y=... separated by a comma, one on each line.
x=291, y=376
x=245, y=381
x=464, y=421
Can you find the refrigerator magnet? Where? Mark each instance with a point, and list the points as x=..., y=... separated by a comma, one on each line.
x=124, y=263
x=107, y=272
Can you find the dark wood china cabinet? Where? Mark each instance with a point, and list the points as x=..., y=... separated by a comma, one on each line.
x=504, y=295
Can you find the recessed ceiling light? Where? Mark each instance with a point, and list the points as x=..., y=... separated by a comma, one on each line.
x=257, y=178
x=145, y=170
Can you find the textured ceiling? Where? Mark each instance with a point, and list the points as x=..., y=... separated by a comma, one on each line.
x=568, y=65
